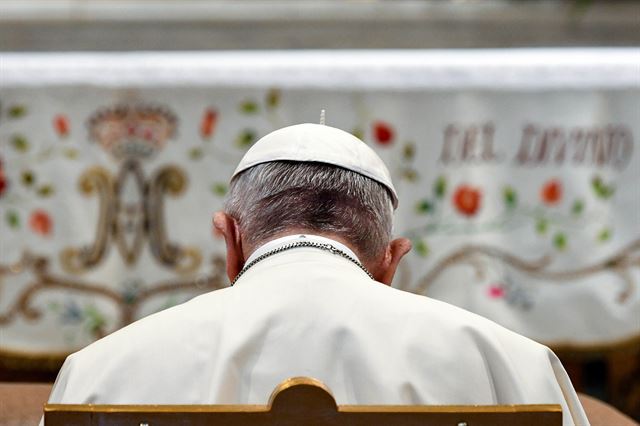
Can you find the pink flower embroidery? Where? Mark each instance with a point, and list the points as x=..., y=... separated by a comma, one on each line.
x=4, y=182
x=496, y=291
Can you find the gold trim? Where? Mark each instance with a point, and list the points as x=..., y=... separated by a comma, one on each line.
x=511, y=408
x=172, y=181
x=296, y=384
x=101, y=408
x=149, y=223
x=93, y=408
x=79, y=260
x=299, y=387
x=299, y=381
x=301, y=399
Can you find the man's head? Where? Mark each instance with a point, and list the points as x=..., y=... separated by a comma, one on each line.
x=282, y=196
x=271, y=199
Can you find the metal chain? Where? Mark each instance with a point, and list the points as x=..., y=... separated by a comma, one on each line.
x=327, y=247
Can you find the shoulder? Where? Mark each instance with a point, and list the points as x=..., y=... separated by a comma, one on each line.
x=106, y=370
x=154, y=332
x=430, y=316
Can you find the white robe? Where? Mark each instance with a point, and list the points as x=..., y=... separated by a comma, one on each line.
x=308, y=312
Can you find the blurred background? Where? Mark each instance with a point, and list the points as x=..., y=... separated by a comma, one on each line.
x=510, y=128
x=129, y=25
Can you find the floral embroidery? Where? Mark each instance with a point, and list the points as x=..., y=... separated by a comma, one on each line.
x=4, y=180
x=70, y=312
x=448, y=203
x=383, y=133
x=466, y=200
x=61, y=125
x=208, y=123
x=41, y=223
x=496, y=291
x=551, y=192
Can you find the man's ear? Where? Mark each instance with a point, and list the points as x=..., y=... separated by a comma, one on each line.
x=228, y=227
x=395, y=251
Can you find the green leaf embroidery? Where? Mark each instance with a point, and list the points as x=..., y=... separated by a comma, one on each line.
x=28, y=178
x=195, y=153
x=273, y=98
x=54, y=306
x=542, y=225
x=410, y=174
x=95, y=320
x=249, y=107
x=440, y=187
x=578, y=207
x=17, y=111
x=13, y=219
x=246, y=138
x=510, y=197
x=170, y=302
x=219, y=189
x=409, y=151
x=602, y=190
x=20, y=143
x=604, y=235
x=46, y=190
x=424, y=207
x=421, y=248
x=71, y=153
x=560, y=241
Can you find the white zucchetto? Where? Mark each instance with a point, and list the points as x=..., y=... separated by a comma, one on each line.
x=318, y=143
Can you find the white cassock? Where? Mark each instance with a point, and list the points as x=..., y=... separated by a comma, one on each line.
x=308, y=312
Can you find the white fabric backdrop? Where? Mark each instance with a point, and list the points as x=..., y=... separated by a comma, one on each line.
x=517, y=173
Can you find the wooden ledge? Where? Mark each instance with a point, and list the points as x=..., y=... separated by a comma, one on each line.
x=302, y=400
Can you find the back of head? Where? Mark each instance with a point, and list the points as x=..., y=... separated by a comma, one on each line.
x=271, y=199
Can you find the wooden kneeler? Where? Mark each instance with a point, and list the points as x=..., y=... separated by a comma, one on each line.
x=301, y=401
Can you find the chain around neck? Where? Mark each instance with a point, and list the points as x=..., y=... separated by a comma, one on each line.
x=298, y=244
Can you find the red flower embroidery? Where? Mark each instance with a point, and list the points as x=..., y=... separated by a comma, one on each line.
x=383, y=132
x=40, y=222
x=4, y=183
x=467, y=199
x=208, y=123
x=496, y=291
x=61, y=125
x=551, y=192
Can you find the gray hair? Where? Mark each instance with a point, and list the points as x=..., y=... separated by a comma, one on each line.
x=274, y=197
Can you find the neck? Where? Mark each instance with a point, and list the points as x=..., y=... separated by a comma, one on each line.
x=290, y=242
x=248, y=250
x=290, y=237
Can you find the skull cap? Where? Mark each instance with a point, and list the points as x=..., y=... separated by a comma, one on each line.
x=317, y=143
